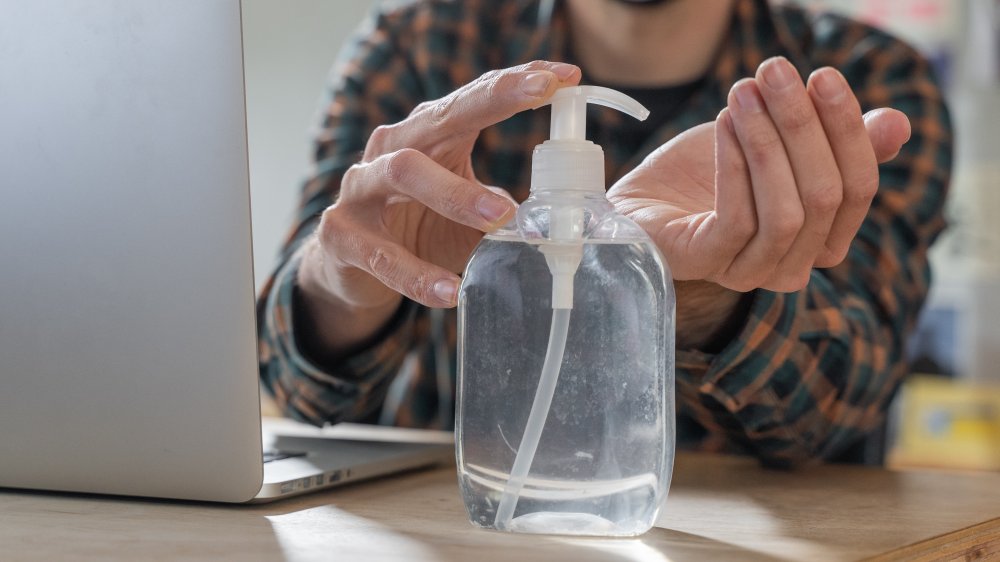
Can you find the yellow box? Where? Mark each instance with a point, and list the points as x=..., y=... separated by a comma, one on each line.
x=948, y=424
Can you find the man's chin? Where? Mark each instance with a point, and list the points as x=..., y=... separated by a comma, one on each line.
x=643, y=2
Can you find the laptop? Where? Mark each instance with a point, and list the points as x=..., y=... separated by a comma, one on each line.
x=127, y=331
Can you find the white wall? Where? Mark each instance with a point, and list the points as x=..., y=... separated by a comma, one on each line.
x=289, y=48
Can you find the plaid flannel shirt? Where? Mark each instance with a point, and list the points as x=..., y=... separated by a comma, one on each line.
x=808, y=374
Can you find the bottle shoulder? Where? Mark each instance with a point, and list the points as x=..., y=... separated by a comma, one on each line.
x=597, y=219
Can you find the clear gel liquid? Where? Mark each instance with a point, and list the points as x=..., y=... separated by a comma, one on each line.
x=604, y=460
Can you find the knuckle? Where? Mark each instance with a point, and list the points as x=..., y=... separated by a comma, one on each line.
x=439, y=113
x=786, y=225
x=796, y=117
x=379, y=140
x=845, y=120
x=494, y=85
x=351, y=178
x=746, y=276
x=420, y=287
x=381, y=263
x=863, y=191
x=776, y=287
x=493, y=74
x=533, y=65
x=824, y=199
x=831, y=257
x=838, y=256
x=798, y=281
x=423, y=106
x=331, y=224
x=758, y=280
x=337, y=238
x=485, y=80
x=764, y=146
x=739, y=284
x=500, y=85
x=455, y=205
x=789, y=282
x=399, y=165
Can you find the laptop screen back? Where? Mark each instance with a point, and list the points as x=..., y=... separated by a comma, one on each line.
x=127, y=342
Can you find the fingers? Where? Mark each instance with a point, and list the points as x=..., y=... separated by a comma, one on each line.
x=734, y=200
x=888, y=130
x=414, y=193
x=494, y=97
x=857, y=167
x=359, y=229
x=795, y=172
x=413, y=174
x=812, y=162
x=779, y=212
x=491, y=98
x=811, y=157
x=357, y=246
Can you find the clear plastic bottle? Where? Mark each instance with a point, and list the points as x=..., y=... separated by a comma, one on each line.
x=565, y=418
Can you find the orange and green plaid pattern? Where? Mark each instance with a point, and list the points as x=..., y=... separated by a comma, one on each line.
x=808, y=375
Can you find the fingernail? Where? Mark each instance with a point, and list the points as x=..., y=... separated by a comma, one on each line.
x=445, y=290
x=747, y=96
x=536, y=83
x=829, y=85
x=492, y=208
x=778, y=73
x=562, y=70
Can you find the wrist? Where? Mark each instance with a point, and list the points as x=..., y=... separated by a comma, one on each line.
x=327, y=323
x=709, y=316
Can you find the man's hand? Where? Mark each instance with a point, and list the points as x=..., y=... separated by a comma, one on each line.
x=412, y=210
x=777, y=185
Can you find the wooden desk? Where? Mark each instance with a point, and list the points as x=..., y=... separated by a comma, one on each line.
x=720, y=508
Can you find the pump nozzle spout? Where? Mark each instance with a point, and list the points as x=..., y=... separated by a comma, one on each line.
x=569, y=109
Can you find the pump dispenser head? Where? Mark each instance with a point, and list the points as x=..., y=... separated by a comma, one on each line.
x=568, y=160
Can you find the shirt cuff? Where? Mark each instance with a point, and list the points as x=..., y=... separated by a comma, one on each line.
x=354, y=373
x=740, y=372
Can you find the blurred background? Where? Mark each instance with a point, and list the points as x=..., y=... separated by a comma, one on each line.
x=948, y=413
x=288, y=49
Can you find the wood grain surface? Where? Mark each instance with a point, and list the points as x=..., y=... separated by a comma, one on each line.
x=720, y=508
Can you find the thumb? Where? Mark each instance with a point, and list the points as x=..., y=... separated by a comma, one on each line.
x=888, y=130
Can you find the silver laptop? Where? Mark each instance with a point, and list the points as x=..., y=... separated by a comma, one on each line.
x=127, y=338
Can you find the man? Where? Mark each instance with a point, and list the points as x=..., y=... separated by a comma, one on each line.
x=800, y=263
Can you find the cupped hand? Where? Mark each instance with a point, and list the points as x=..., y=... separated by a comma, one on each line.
x=779, y=184
x=411, y=211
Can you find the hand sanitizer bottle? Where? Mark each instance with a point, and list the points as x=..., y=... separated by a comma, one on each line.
x=565, y=414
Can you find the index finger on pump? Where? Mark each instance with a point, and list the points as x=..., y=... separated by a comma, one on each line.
x=491, y=98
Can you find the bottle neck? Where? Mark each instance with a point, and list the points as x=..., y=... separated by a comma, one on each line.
x=568, y=165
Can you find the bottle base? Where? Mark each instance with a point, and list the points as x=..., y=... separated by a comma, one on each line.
x=578, y=524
